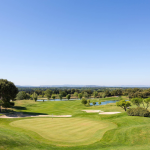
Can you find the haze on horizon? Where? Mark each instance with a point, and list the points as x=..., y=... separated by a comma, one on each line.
x=79, y=42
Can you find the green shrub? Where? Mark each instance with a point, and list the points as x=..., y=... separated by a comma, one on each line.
x=84, y=101
x=99, y=103
x=94, y=103
x=12, y=104
x=139, y=111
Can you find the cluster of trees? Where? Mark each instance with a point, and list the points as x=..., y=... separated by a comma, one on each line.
x=139, y=111
x=8, y=92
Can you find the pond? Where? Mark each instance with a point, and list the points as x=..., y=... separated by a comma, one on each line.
x=40, y=100
x=104, y=103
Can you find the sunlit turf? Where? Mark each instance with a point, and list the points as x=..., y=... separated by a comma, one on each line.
x=66, y=131
x=72, y=107
x=131, y=133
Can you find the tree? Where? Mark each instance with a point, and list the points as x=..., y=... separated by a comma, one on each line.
x=99, y=103
x=6, y=105
x=95, y=94
x=34, y=96
x=123, y=104
x=68, y=96
x=100, y=95
x=1, y=103
x=88, y=102
x=94, y=103
x=8, y=90
x=21, y=95
x=84, y=101
x=103, y=95
x=86, y=95
x=80, y=95
x=137, y=101
x=72, y=91
x=107, y=93
x=53, y=97
x=48, y=93
x=147, y=101
x=76, y=94
x=43, y=93
x=63, y=93
x=60, y=96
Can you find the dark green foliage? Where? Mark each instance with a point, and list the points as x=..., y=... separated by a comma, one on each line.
x=95, y=94
x=76, y=94
x=107, y=93
x=6, y=105
x=34, y=96
x=80, y=95
x=21, y=95
x=1, y=102
x=63, y=93
x=68, y=96
x=94, y=103
x=48, y=93
x=147, y=101
x=60, y=96
x=137, y=101
x=99, y=103
x=123, y=104
x=12, y=104
x=8, y=90
x=88, y=102
x=53, y=97
x=84, y=101
x=139, y=111
x=86, y=95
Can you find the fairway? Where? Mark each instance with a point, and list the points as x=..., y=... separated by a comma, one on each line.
x=66, y=131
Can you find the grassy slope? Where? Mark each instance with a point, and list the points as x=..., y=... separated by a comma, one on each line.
x=131, y=133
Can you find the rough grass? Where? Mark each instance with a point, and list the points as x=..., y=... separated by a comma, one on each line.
x=132, y=132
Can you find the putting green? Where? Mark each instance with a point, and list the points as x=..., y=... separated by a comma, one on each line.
x=66, y=131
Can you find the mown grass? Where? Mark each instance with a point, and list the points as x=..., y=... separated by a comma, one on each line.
x=131, y=132
x=66, y=131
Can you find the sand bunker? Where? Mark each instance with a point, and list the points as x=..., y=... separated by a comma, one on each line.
x=92, y=111
x=53, y=116
x=21, y=115
x=108, y=113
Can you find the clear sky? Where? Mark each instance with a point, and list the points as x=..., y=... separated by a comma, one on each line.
x=84, y=42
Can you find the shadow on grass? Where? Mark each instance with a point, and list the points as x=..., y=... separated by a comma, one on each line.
x=20, y=108
x=33, y=113
x=22, y=114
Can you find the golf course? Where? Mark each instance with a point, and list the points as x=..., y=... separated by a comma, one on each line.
x=81, y=131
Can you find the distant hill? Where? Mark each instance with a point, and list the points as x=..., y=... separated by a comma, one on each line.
x=66, y=85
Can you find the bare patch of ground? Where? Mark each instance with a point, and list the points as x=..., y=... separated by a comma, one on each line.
x=108, y=113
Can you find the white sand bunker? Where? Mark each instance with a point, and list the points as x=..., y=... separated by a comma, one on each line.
x=108, y=113
x=20, y=115
x=53, y=116
x=92, y=111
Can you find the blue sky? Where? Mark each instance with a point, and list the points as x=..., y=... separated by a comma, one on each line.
x=84, y=42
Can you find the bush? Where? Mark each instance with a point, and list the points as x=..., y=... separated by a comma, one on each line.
x=12, y=104
x=139, y=111
x=94, y=103
x=84, y=101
